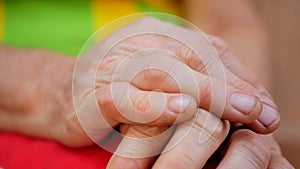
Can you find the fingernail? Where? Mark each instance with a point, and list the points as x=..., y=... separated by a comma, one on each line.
x=243, y=103
x=179, y=104
x=268, y=115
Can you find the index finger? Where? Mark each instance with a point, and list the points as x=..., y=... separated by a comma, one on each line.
x=138, y=154
x=206, y=135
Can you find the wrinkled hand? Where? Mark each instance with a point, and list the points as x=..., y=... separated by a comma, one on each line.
x=247, y=149
x=152, y=79
x=150, y=87
x=189, y=153
x=243, y=149
x=124, y=54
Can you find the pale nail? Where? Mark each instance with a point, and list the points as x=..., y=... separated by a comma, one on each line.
x=243, y=103
x=179, y=104
x=268, y=115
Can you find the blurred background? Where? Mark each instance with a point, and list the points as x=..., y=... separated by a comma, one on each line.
x=283, y=21
x=265, y=35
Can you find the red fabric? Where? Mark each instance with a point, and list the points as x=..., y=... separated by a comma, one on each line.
x=19, y=151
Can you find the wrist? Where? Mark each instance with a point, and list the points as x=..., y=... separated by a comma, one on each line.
x=36, y=86
x=57, y=81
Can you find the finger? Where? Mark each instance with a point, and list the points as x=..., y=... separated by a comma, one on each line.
x=246, y=150
x=193, y=142
x=226, y=101
x=238, y=77
x=119, y=162
x=137, y=153
x=244, y=109
x=277, y=160
x=171, y=72
x=204, y=60
x=232, y=63
x=121, y=102
x=259, y=127
x=171, y=75
x=239, y=106
x=269, y=119
x=124, y=103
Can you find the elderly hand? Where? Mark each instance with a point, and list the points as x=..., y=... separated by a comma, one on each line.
x=186, y=154
x=247, y=149
x=152, y=79
x=243, y=149
x=151, y=87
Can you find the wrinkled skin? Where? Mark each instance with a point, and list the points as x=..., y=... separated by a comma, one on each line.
x=44, y=99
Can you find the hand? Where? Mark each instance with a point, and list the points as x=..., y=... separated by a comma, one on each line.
x=45, y=92
x=247, y=149
x=186, y=152
x=137, y=70
x=192, y=144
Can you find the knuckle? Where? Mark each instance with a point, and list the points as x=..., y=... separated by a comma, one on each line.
x=205, y=89
x=212, y=128
x=105, y=98
x=218, y=43
x=187, y=55
x=140, y=101
x=154, y=75
x=222, y=47
x=252, y=147
x=208, y=87
x=241, y=84
x=205, y=94
x=184, y=53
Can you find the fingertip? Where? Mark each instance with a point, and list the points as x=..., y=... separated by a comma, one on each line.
x=242, y=108
x=187, y=106
x=258, y=127
x=275, y=124
x=117, y=162
x=267, y=122
x=179, y=108
x=179, y=104
x=269, y=116
x=253, y=112
x=272, y=126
